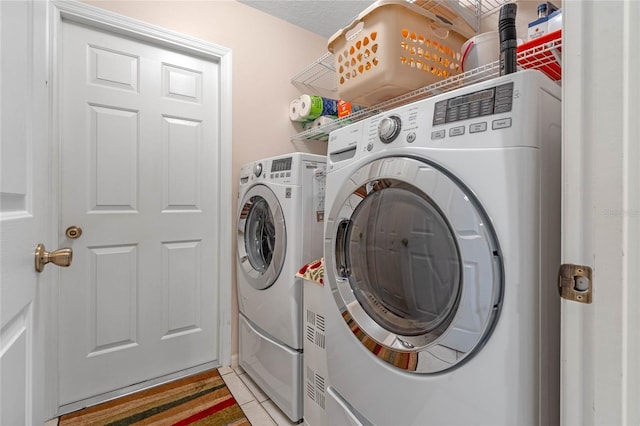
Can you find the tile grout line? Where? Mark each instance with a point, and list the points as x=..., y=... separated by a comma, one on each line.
x=268, y=413
x=260, y=404
x=230, y=390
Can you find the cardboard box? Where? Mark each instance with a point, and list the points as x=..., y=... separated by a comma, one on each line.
x=555, y=21
x=540, y=26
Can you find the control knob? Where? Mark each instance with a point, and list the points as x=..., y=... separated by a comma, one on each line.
x=389, y=128
x=257, y=169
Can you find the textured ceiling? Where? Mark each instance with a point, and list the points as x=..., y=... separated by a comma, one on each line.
x=323, y=17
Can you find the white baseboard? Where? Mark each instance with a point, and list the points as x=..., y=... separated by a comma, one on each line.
x=234, y=361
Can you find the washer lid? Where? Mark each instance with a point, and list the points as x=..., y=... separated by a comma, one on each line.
x=261, y=237
x=414, y=265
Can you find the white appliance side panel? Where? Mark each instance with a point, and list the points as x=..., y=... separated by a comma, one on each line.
x=274, y=367
x=315, y=380
x=278, y=309
x=550, y=216
x=313, y=190
x=338, y=413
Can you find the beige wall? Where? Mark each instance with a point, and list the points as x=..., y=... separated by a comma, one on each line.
x=527, y=12
x=266, y=51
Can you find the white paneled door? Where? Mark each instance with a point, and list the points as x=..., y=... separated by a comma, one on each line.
x=139, y=161
x=23, y=210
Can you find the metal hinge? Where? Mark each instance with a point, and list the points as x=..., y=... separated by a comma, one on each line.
x=574, y=283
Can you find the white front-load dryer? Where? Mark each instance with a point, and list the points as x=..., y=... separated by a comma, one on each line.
x=279, y=229
x=442, y=245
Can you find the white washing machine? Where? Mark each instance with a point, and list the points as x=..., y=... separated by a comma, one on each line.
x=280, y=225
x=442, y=245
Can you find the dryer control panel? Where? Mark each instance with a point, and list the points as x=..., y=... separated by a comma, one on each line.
x=279, y=170
x=484, y=102
x=271, y=169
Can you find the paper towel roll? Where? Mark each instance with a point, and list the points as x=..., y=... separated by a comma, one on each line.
x=294, y=110
x=326, y=124
x=329, y=107
x=310, y=107
x=323, y=121
x=306, y=125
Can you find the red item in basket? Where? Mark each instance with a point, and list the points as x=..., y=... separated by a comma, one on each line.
x=543, y=53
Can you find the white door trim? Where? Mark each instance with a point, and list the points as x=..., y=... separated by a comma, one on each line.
x=600, y=376
x=98, y=18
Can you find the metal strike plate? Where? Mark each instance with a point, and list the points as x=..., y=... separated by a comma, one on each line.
x=575, y=283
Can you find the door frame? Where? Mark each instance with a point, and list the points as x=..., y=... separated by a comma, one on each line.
x=71, y=10
x=600, y=376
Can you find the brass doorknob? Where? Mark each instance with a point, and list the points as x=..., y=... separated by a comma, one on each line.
x=60, y=257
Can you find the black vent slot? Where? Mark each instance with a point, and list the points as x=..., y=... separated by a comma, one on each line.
x=320, y=338
x=320, y=323
x=310, y=333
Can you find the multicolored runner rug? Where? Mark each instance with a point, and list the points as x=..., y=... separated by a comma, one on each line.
x=198, y=400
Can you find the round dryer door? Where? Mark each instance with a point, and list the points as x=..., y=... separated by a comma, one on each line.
x=261, y=237
x=415, y=266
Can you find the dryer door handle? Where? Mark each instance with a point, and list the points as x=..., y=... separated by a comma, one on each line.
x=341, y=252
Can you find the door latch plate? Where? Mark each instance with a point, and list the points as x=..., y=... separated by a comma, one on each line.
x=575, y=283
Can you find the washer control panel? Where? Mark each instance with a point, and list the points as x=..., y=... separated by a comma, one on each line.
x=434, y=123
x=484, y=102
x=389, y=128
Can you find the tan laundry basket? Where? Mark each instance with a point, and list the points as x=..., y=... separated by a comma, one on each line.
x=391, y=48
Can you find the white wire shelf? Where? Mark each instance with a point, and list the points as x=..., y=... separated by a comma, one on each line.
x=464, y=14
x=544, y=57
x=319, y=77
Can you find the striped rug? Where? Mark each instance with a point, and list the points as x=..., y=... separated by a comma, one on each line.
x=198, y=400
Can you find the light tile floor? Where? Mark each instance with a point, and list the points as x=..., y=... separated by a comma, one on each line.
x=257, y=406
